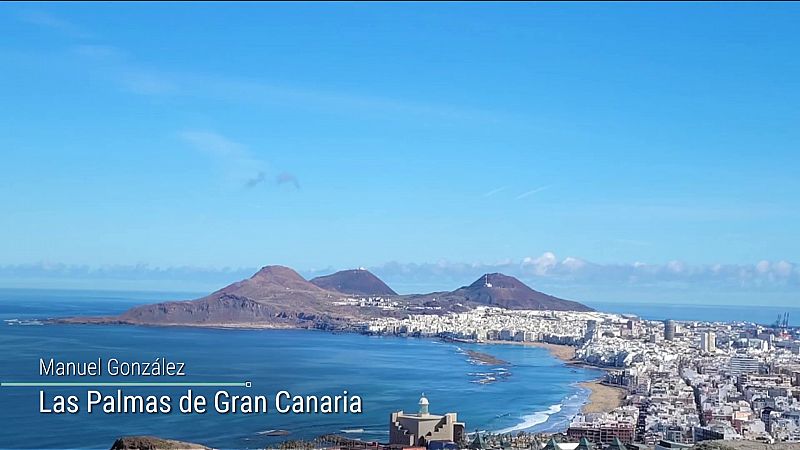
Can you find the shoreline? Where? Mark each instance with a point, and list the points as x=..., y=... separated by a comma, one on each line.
x=602, y=397
x=565, y=353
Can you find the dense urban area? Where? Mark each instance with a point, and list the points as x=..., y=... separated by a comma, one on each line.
x=684, y=383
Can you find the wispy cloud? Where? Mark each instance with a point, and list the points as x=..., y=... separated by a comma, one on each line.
x=122, y=68
x=532, y=192
x=147, y=82
x=215, y=144
x=237, y=160
x=256, y=180
x=140, y=79
x=50, y=21
x=287, y=178
x=494, y=192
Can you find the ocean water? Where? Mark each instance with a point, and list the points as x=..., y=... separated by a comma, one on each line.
x=388, y=374
x=762, y=314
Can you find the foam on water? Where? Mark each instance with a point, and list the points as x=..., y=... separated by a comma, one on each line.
x=531, y=420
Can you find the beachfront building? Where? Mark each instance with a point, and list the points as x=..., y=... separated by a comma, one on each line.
x=604, y=428
x=423, y=428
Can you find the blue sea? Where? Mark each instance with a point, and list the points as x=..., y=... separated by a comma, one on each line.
x=761, y=314
x=388, y=373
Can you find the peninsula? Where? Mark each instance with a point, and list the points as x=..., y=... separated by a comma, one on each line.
x=279, y=297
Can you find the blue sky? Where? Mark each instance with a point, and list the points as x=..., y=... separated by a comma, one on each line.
x=575, y=145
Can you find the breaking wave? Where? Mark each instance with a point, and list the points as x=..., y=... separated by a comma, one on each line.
x=531, y=420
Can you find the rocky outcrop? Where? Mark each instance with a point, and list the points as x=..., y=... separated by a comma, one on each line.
x=153, y=443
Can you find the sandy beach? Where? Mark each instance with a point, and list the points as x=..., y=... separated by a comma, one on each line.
x=602, y=398
x=565, y=353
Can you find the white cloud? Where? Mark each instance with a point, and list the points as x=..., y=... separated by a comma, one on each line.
x=549, y=269
x=541, y=265
x=573, y=264
x=215, y=144
x=494, y=191
x=532, y=192
x=783, y=269
x=545, y=272
x=676, y=267
x=51, y=21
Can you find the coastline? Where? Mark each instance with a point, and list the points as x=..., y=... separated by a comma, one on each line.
x=593, y=396
x=602, y=397
x=519, y=401
x=565, y=353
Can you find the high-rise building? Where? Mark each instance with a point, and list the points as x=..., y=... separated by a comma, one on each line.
x=591, y=330
x=708, y=341
x=669, y=330
x=741, y=364
x=766, y=417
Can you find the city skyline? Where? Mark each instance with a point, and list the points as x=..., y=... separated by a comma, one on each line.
x=636, y=152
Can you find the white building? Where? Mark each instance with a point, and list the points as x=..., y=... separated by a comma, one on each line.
x=708, y=341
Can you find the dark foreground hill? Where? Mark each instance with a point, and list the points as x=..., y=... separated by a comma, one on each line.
x=744, y=445
x=354, y=282
x=153, y=443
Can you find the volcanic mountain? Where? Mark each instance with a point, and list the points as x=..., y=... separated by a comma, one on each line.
x=354, y=282
x=496, y=289
x=275, y=295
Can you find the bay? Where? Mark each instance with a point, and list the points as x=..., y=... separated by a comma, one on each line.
x=388, y=373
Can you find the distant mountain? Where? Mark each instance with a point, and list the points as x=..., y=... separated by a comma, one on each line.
x=272, y=281
x=496, y=289
x=354, y=282
x=277, y=296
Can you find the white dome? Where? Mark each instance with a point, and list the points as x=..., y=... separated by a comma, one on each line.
x=423, y=400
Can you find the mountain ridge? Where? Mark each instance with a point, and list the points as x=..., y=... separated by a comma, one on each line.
x=278, y=296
